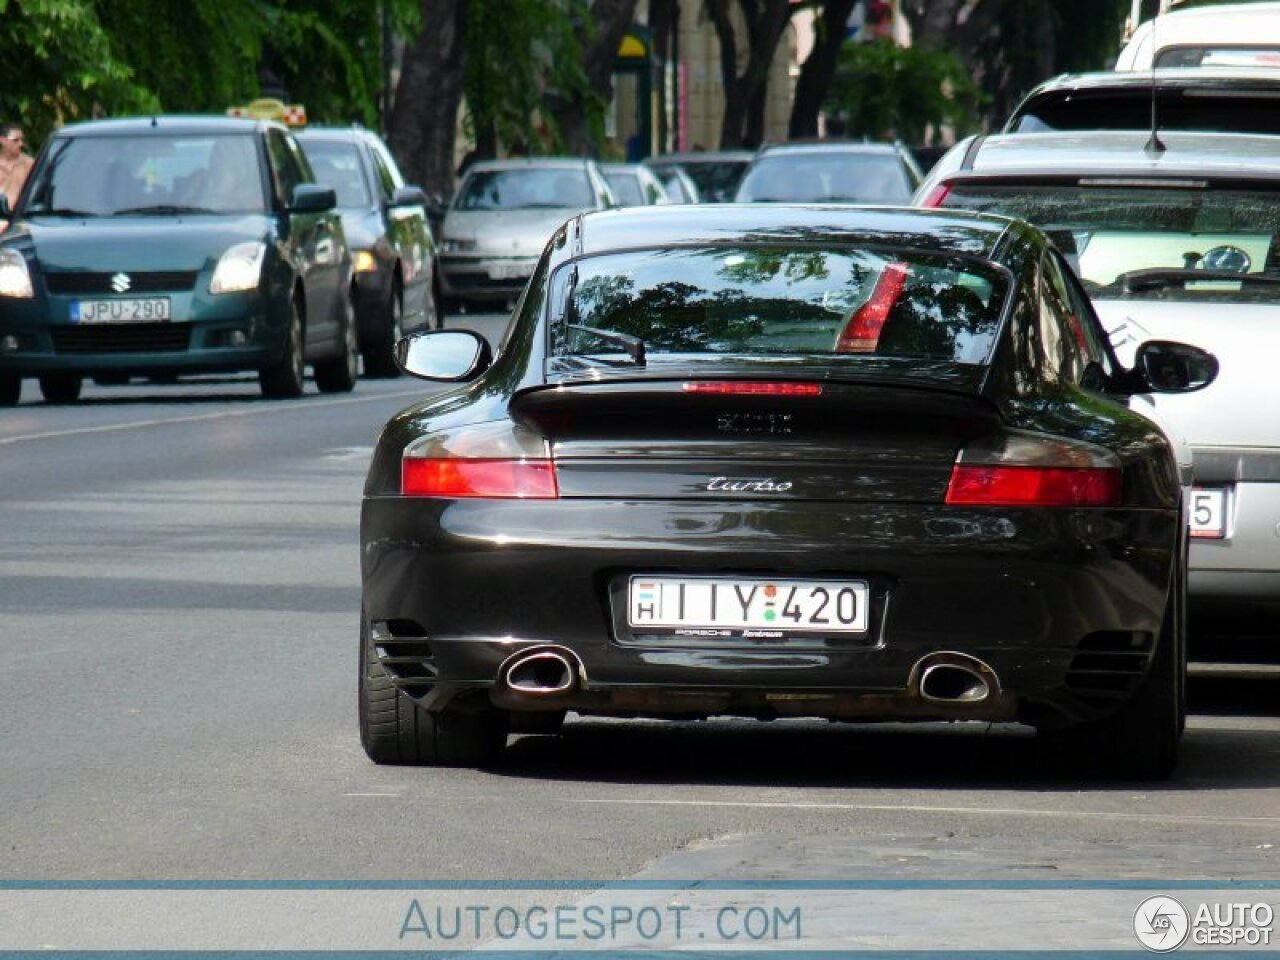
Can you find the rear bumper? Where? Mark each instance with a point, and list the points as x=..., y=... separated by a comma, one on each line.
x=1245, y=565
x=1064, y=607
x=473, y=277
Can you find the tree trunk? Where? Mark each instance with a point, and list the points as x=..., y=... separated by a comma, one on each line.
x=609, y=20
x=662, y=25
x=819, y=68
x=745, y=93
x=424, y=119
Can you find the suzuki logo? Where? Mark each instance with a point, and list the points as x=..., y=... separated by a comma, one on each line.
x=121, y=282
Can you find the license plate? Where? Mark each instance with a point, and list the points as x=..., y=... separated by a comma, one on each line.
x=700, y=606
x=1208, y=515
x=509, y=271
x=143, y=310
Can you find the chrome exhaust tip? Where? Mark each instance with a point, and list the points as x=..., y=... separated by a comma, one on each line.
x=954, y=678
x=543, y=673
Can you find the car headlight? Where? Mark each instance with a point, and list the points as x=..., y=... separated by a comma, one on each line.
x=15, y=278
x=364, y=261
x=456, y=244
x=239, y=269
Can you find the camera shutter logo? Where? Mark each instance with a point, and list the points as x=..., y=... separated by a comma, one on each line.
x=1161, y=924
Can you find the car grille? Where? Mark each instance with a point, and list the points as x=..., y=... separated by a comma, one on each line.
x=404, y=652
x=122, y=338
x=153, y=282
x=1108, y=666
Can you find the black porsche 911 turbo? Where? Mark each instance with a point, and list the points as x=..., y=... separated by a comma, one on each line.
x=857, y=464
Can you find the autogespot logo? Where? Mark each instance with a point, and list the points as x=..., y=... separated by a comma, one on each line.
x=1161, y=924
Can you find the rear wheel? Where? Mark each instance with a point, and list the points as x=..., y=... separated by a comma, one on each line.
x=338, y=374
x=10, y=390
x=60, y=387
x=285, y=378
x=395, y=730
x=379, y=359
x=1140, y=740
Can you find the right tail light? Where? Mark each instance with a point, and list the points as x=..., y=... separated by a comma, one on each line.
x=1027, y=470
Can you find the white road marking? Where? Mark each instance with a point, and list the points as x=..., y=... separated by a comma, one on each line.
x=919, y=808
x=387, y=796
x=221, y=415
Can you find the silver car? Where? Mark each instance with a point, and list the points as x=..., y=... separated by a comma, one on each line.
x=634, y=184
x=830, y=171
x=502, y=216
x=1179, y=241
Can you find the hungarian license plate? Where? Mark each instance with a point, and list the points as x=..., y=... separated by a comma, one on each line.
x=509, y=271
x=142, y=310
x=700, y=606
x=1208, y=514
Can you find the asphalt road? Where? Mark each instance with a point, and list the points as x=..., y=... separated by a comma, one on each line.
x=178, y=602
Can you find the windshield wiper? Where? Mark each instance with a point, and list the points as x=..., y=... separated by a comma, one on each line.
x=160, y=209
x=61, y=212
x=1159, y=278
x=633, y=346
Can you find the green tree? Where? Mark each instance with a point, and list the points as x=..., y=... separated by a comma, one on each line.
x=884, y=91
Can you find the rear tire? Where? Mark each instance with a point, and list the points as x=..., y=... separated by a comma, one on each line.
x=1140, y=740
x=338, y=374
x=60, y=387
x=395, y=730
x=10, y=390
x=285, y=378
x=379, y=360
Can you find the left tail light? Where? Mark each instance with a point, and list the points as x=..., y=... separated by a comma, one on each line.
x=1028, y=470
x=495, y=460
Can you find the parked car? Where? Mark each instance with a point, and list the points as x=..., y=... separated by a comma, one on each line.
x=173, y=245
x=715, y=173
x=1235, y=100
x=678, y=184
x=501, y=217
x=634, y=184
x=392, y=249
x=1178, y=243
x=780, y=461
x=830, y=172
x=1222, y=35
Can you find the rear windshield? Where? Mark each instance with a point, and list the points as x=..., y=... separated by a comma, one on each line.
x=1133, y=241
x=150, y=175
x=337, y=165
x=762, y=300
x=836, y=177
x=1225, y=111
x=716, y=180
x=533, y=188
x=1220, y=55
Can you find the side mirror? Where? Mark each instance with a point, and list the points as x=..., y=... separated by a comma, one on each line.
x=312, y=198
x=408, y=197
x=1168, y=367
x=450, y=355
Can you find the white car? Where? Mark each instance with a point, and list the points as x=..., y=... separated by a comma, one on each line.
x=1225, y=35
x=1175, y=244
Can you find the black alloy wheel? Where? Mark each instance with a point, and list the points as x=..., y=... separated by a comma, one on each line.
x=395, y=730
x=60, y=387
x=285, y=378
x=338, y=374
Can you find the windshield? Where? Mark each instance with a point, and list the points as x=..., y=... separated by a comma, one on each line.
x=531, y=188
x=1220, y=55
x=108, y=176
x=626, y=188
x=1112, y=233
x=716, y=180
x=780, y=300
x=835, y=177
x=337, y=165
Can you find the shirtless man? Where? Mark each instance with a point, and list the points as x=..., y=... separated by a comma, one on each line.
x=14, y=164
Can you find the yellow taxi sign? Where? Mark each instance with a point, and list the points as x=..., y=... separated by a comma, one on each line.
x=269, y=108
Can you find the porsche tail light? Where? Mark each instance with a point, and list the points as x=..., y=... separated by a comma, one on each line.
x=862, y=332
x=937, y=196
x=1027, y=470
x=495, y=460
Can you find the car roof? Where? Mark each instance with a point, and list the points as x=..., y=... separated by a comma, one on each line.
x=521, y=163
x=1122, y=152
x=162, y=124
x=350, y=134
x=950, y=231
x=703, y=156
x=1181, y=77
x=828, y=146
